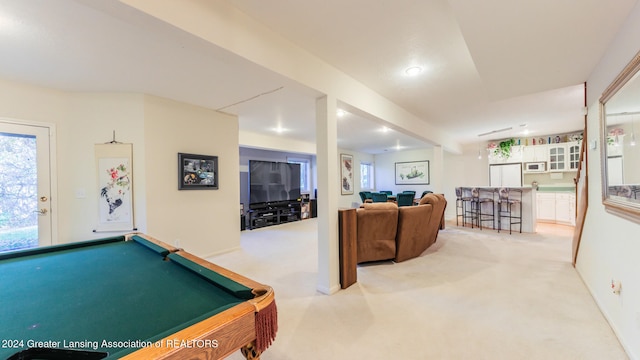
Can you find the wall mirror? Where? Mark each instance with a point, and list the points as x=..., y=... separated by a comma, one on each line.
x=619, y=121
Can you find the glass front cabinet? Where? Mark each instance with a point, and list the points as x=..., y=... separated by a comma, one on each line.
x=557, y=157
x=574, y=155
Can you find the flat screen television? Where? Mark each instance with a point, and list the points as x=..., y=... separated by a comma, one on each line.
x=271, y=182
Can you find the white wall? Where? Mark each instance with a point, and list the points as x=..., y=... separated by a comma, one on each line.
x=610, y=246
x=158, y=130
x=451, y=171
x=91, y=119
x=385, y=170
x=463, y=170
x=205, y=221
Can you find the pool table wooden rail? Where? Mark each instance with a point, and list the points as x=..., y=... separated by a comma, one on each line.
x=232, y=329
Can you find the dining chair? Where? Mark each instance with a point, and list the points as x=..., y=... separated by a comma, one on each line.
x=413, y=193
x=379, y=197
x=404, y=199
x=364, y=195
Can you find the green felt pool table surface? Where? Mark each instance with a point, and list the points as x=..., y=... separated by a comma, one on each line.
x=111, y=295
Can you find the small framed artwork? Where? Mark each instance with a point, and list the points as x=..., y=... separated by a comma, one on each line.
x=412, y=173
x=197, y=172
x=346, y=174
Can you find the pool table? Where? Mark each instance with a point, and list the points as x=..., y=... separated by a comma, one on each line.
x=131, y=297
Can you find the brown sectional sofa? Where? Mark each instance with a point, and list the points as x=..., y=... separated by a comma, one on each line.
x=384, y=231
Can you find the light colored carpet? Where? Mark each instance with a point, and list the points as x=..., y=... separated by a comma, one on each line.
x=473, y=295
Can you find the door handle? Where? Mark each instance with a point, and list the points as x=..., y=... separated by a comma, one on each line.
x=42, y=212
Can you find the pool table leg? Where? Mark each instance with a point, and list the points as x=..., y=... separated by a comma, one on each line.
x=250, y=352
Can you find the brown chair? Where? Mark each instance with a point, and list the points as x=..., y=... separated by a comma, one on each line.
x=382, y=231
x=418, y=226
x=377, y=225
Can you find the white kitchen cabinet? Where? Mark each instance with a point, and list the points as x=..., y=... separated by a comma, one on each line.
x=557, y=208
x=565, y=208
x=535, y=153
x=573, y=153
x=558, y=157
x=546, y=207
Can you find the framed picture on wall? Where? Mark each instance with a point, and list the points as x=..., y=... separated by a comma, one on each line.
x=346, y=174
x=412, y=173
x=197, y=172
x=115, y=182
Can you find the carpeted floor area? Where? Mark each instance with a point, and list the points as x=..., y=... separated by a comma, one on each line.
x=475, y=294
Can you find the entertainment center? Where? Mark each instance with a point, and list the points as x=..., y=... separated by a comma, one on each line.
x=274, y=192
x=274, y=214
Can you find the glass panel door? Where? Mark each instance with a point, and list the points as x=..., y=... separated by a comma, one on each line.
x=25, y=219
x=557, y=158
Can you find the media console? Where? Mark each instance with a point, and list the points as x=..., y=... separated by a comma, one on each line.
x=267, y=214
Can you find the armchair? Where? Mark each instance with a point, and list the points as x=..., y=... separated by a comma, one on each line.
x=376, y=238
x=418, y=226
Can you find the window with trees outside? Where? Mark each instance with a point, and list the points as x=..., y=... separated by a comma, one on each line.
x=18, y=192
x=366, y=176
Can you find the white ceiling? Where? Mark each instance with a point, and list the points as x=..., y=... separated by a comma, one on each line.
x=488, y=64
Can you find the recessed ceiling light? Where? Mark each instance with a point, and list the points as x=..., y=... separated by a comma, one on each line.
x=413, y=70
x=279, y=129
x=341, y=113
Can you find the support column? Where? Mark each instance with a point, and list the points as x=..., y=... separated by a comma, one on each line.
x=328, y=190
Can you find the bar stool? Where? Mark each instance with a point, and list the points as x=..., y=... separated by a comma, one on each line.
x=507, y=199
x=468, y=207
x=459, y=206
x=480, y=201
